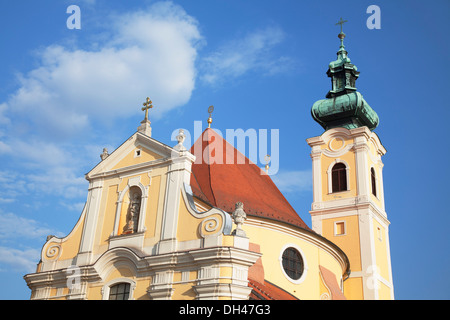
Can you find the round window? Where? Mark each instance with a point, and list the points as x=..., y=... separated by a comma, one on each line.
x=293, y=263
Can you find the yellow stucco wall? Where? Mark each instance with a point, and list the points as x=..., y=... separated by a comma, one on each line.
x=384, y=292
x=131, y=158
x=69, y=246
x=192, y=228
x=111, y=189
x=313, y=255
x=381, y=252
x=155, y=204
x=348, y=242
x=353, y=288
x=183, y=290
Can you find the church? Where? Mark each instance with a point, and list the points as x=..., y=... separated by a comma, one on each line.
x=159, y=225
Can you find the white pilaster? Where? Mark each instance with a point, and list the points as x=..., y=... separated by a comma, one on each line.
x=90, y=225
x=362, y=171
x=316, y=172
x=178, y=174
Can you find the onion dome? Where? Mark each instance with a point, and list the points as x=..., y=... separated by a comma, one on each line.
x=344, y=106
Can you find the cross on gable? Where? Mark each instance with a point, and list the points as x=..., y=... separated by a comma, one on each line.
x=147, y=105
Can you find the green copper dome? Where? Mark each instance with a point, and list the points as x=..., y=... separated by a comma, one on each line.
x=349, y=110
x=343, y=106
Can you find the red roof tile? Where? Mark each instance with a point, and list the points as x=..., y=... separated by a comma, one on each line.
x=222, y=176
x=268, y=291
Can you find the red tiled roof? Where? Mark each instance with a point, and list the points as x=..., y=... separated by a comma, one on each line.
x=268, y=291
x=221, y=183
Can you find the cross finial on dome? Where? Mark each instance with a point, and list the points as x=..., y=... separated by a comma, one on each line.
x=341, y=22
x=341, y=35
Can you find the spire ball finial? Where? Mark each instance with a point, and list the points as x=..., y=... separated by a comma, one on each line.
x=210, y=111
x=341, y=35
x=267, y=159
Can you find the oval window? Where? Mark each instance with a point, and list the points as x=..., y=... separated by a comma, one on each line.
x=293, y=263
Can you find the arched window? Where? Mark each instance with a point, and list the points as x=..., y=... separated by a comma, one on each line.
x=339, y=177
x=120, y=291
x=374, y=181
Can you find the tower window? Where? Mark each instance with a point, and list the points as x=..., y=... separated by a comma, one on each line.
x=374, y=181
x=120, y=291
x=339, y=177
x=339, y=228
x=292, y=263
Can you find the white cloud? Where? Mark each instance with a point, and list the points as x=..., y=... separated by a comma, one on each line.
x=19, y=260
x=77, y=207
x=4, y=148
x=253, y=52
x=148, y=53
x=12, y=186
x=42, y=168
x=14, y=226
x=293, y=181
x=88, y=2
x=58, y=182
x=3, y=119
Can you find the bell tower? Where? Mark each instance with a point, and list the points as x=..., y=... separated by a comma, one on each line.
x=348, y=195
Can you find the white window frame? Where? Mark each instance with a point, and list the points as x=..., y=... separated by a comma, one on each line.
x=107, y=287
x=138, y=152
x=335, y=228
x=330, y=178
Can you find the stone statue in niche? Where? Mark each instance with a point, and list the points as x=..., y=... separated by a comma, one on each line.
x=133, y=213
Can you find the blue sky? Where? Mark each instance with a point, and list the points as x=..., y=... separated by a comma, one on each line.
x=65, y=94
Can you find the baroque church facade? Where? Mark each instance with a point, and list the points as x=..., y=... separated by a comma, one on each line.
x=159, y=225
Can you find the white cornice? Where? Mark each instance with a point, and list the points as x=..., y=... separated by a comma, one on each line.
x=137, y=139
x=350, y=206
x=131, y=170
x=362, y=132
